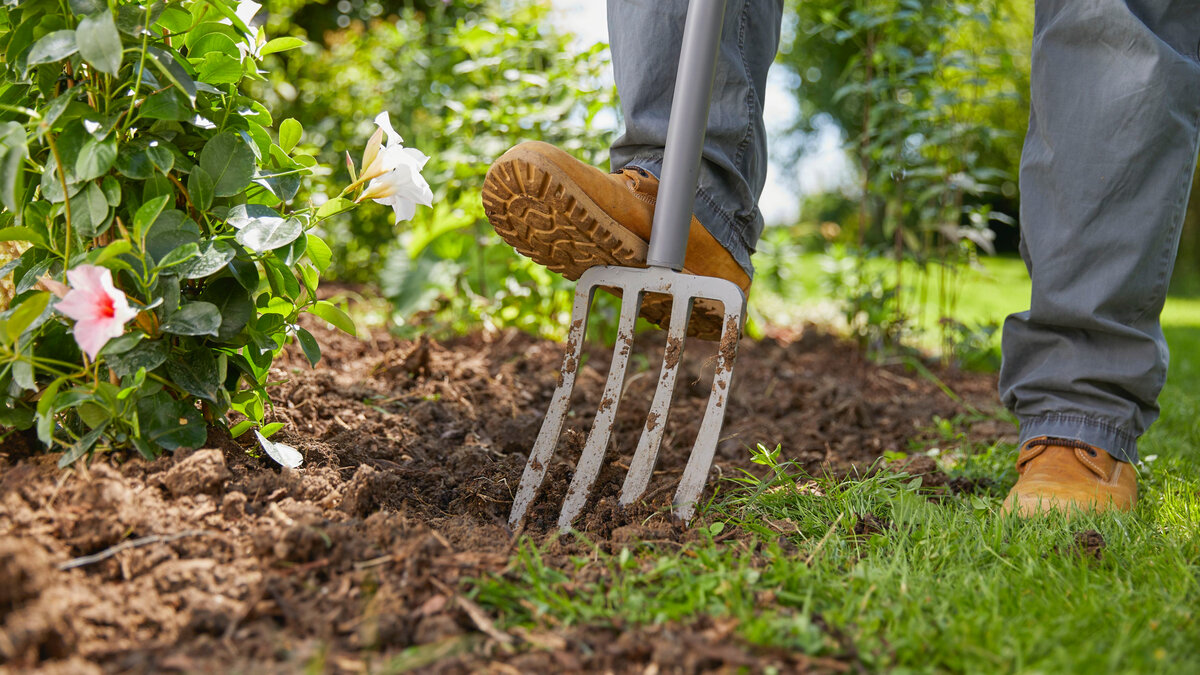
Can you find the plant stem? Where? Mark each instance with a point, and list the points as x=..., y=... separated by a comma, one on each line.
x=62, y=178
x=137, y=83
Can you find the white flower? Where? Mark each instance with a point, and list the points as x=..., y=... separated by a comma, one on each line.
x=394, y=172
x=246, y=11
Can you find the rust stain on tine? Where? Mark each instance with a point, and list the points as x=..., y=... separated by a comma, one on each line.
x=641, y=468
x=592, y=457
x=634, y=283
x=700, y=461
x=547, y=439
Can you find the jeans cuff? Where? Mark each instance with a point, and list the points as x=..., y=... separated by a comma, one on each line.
x=1108, y=437
x=718, y=223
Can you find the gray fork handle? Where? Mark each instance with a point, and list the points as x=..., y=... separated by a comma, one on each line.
x=685, y=133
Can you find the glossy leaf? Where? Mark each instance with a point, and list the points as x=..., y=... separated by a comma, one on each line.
x=99, y=42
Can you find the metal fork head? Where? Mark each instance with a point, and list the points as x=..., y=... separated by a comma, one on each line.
x=633, y=284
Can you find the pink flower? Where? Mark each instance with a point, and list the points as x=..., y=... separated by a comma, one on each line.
x=99, y=309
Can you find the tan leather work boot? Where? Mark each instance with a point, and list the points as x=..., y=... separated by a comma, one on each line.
x=569, y=216
x=1059, y=474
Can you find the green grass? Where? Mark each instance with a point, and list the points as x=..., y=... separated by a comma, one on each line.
x=949, y=585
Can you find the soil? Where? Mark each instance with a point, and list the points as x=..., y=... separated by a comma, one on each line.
x=218, y=560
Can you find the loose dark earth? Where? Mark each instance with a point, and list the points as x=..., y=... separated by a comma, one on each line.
x=219, y=561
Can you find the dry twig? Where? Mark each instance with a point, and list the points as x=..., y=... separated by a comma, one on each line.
x=132, y=543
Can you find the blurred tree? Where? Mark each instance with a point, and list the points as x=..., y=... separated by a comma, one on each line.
x=932, y=98
x=463, y=82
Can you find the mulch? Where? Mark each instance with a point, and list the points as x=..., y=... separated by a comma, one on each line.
x=218, y=560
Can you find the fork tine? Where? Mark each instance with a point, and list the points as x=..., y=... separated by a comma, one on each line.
x=696, y=472
x=597, y=441
x=547, y=439
x=641, y=467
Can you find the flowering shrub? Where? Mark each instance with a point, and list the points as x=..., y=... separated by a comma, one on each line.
x=165, y=263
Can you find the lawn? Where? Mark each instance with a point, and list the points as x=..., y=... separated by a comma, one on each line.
x=873, y=573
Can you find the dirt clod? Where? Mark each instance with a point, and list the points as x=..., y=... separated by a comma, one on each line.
x=1090, y=544
x=202, y=472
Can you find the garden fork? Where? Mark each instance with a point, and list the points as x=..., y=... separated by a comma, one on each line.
x=663, y=275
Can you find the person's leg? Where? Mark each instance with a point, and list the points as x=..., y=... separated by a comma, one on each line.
x=570, y=217
x=645, y=37
x=1105, y=176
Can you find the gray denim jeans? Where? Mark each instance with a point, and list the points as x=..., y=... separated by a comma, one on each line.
x=1105, y=176
x=645, y=37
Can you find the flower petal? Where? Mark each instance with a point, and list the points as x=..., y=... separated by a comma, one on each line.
x=372, y=150
x=92, y=335
x=385, y=122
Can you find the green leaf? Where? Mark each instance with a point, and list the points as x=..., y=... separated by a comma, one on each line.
x=55, y=110
x=212, y=42
x=51, y=47
x=234, y=305
x=218, y=68
x=112, y=191
x=282, y=184
x=271, y=429
x=170, y=230
x=13, y=151
x=17, y=418
x=132, y=18
x=171, y=424
x=22, y=234
x=179, y=255
x=148, y=354
x=160, y=156
x=290, y=132
x=211, y=258
x=90, y=412
x=292, y=253
x=310, y=276
x=283, y=280
x=82, y=447
x=333, y=207
x=45, y=411
x=122, y=344
x=169, y=105
x=331, y=313
x=90, y=211
x=281, y=44
x=197, y=35
x=246, y=273
x=196, y=373
x=21, y=318
x=228, y=162
x=312, y=350
x=146, y=215
x=261, y=234
x=200, y=188
x=96, y=157
x=174, y=72
x=241, y=428
x=319, y=252
x=157, y=186
x=103, y=255
x=99, y=43
x=194, y=318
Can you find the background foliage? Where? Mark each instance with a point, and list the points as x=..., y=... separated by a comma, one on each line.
x=464, y=81
x=130, y=149
x=931, y=98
